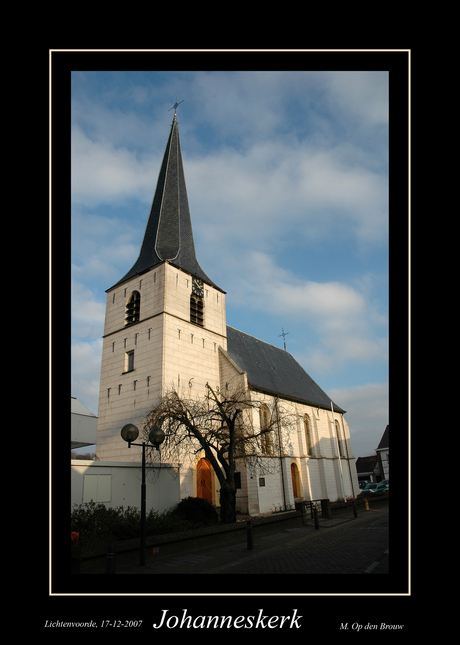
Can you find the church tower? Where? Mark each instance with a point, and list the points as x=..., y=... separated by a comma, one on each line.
x=165, y=319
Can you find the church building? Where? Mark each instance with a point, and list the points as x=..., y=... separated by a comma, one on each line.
x=165, y=327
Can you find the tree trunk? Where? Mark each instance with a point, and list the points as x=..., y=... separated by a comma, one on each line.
x=227, y=504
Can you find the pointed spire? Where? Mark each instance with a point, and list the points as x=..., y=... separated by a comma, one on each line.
x=168, y=235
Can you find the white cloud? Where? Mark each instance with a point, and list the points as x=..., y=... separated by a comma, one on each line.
x=86, y=372
x=278, y=289
x=87, y=312
x=103, y=248
x=339, y=315
x=274, y=189
x=102, y=172
x=363, y=94
x=250, y=104
x=367, y=414
x=309, y=184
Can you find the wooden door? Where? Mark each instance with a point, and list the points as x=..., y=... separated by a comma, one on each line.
x=203, y=481
x=294, y=480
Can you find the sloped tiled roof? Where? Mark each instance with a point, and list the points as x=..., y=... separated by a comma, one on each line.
x=366, y=464
x=274, y=370
x=385, y=440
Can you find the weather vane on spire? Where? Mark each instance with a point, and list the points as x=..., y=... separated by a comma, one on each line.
x=175, y=106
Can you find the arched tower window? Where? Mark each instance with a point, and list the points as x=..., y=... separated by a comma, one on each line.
x=308, y=439
x=133, y=307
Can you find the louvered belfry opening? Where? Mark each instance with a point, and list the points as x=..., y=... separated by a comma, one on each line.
x=133, y=307
x=196, y=310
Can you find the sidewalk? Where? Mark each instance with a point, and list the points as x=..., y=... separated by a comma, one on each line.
x=344, y=544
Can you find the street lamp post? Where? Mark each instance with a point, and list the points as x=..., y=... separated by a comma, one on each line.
x=129, y=433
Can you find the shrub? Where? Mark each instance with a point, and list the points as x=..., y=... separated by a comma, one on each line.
x=196, y=512
x=166, y=522
x=98, y=523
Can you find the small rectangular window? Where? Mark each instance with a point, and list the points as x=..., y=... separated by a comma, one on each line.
x=129, y=361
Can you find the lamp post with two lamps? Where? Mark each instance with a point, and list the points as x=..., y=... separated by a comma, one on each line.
x=129, y=433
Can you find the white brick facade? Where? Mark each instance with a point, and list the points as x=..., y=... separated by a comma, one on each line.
x=169, y=351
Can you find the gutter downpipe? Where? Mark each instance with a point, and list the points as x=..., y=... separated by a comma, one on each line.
x=348, y=460
x=338, y=452
x=280, y=451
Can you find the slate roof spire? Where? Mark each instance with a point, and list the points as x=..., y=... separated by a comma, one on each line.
x=168, y=235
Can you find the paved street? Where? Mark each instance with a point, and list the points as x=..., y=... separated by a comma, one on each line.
x=341, y=545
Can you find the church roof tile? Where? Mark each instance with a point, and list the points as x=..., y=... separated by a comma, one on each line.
x=273, y=370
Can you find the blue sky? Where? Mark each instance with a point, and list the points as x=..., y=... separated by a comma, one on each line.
x=287, y=181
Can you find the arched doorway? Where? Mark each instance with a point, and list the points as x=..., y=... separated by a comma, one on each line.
x=296, y=488
x=203, y=480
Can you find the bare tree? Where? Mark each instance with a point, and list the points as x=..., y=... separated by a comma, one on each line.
x=226, y=427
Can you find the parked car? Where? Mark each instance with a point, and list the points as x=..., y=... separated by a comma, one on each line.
x=376, y=488
x=363, y=484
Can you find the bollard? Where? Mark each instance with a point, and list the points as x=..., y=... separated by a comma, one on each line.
x=326, y=508
x=250, y=543
x=110, y=560
x=315, y=515
x=304, y=514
